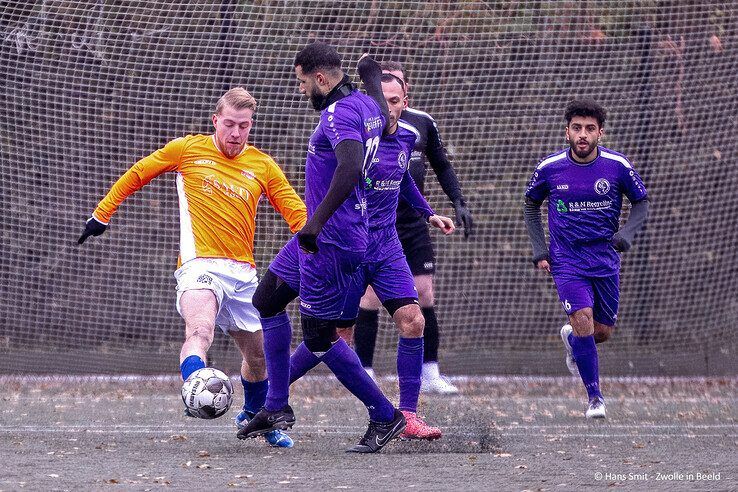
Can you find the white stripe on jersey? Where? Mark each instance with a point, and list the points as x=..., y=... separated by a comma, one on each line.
x=187, y=249
x=408, y=126
x=618, y=158
x=553, y=158
x=421, y=113
x=332, y=108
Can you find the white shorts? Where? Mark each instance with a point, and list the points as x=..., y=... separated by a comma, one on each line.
x=233, y=283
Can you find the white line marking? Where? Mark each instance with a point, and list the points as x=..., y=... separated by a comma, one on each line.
x=162, y=378
x=350, y=433
x=352, y=427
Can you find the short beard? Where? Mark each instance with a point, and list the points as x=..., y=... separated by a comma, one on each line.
x=589, y=150
x=317, y=101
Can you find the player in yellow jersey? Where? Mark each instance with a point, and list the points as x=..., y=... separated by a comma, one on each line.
x=220, y=179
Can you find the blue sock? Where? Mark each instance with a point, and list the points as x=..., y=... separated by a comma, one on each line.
x=585, y=354
x=190, y=365
x=277, y=338
x=409, y=367
x=301, y=361
x=345, y=364
x=254, y=395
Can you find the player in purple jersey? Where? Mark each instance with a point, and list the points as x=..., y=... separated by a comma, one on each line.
x=417, y=245
x=584, y=185
x=332, y=245
x=386, y=271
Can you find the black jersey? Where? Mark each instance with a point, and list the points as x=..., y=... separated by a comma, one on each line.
x=429, y=149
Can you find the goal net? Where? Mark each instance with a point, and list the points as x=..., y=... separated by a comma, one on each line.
x=89, y=87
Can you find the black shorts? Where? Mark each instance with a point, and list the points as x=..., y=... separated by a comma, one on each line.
x=418, y=248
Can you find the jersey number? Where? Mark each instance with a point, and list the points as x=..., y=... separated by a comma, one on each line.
x=371, y=151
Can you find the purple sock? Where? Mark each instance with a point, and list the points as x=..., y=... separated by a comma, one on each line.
x=301, y=361
x=585, y=354
x=409, y=367
x=254, y=395
x=346, y=365
x=190, y=365
x=277, y=338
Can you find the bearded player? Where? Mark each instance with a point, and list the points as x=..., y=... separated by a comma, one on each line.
x=584, y=185
x=322, y=261
x=385, y=269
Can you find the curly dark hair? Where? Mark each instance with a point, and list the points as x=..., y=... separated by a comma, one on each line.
x=318, y=56
x=585, y=108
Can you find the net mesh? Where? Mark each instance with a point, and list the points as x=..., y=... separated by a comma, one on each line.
x=89, y=87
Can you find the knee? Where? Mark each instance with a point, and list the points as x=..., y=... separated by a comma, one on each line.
x=602, y=333
x=318, y=334
x=582, y=322
x=272, y=295
x=410, y=321
x=263, y=302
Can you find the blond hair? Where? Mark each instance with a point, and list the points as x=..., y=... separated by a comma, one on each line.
x=237, y=98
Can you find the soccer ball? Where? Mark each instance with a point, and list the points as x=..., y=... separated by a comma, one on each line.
x=207, y=393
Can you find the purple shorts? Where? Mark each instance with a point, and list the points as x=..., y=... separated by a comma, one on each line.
x=286, y=264
x=602, y=294
x=326, y=278
x=323, y=280
x=385, y=269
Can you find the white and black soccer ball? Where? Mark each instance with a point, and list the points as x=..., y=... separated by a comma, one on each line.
x=207, y=393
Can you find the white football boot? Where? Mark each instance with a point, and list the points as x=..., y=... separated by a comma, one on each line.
x=432, y=381
x=596, y=409
x=570, y=362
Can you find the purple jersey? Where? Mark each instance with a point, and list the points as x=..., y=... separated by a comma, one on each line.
x=355, y=117
x=387, y=177
x=584, y=203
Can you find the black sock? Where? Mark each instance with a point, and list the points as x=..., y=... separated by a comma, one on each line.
x=430, y=351
x=365, y=335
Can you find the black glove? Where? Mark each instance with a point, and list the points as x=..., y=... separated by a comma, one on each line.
x=463, y=218
x=620, y=243
x=307, y=238
x=93, y=227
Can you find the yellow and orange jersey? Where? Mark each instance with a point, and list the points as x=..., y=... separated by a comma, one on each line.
x=218, y=196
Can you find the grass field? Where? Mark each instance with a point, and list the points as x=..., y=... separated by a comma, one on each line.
x=499, y=434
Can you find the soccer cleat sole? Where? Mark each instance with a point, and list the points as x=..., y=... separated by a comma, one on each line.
x=403, y=437
x=595, y=415
x=281, y=426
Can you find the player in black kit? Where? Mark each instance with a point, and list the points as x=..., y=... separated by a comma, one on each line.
x=416, y=243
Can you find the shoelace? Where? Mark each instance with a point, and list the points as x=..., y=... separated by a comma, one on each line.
x=369, y=430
